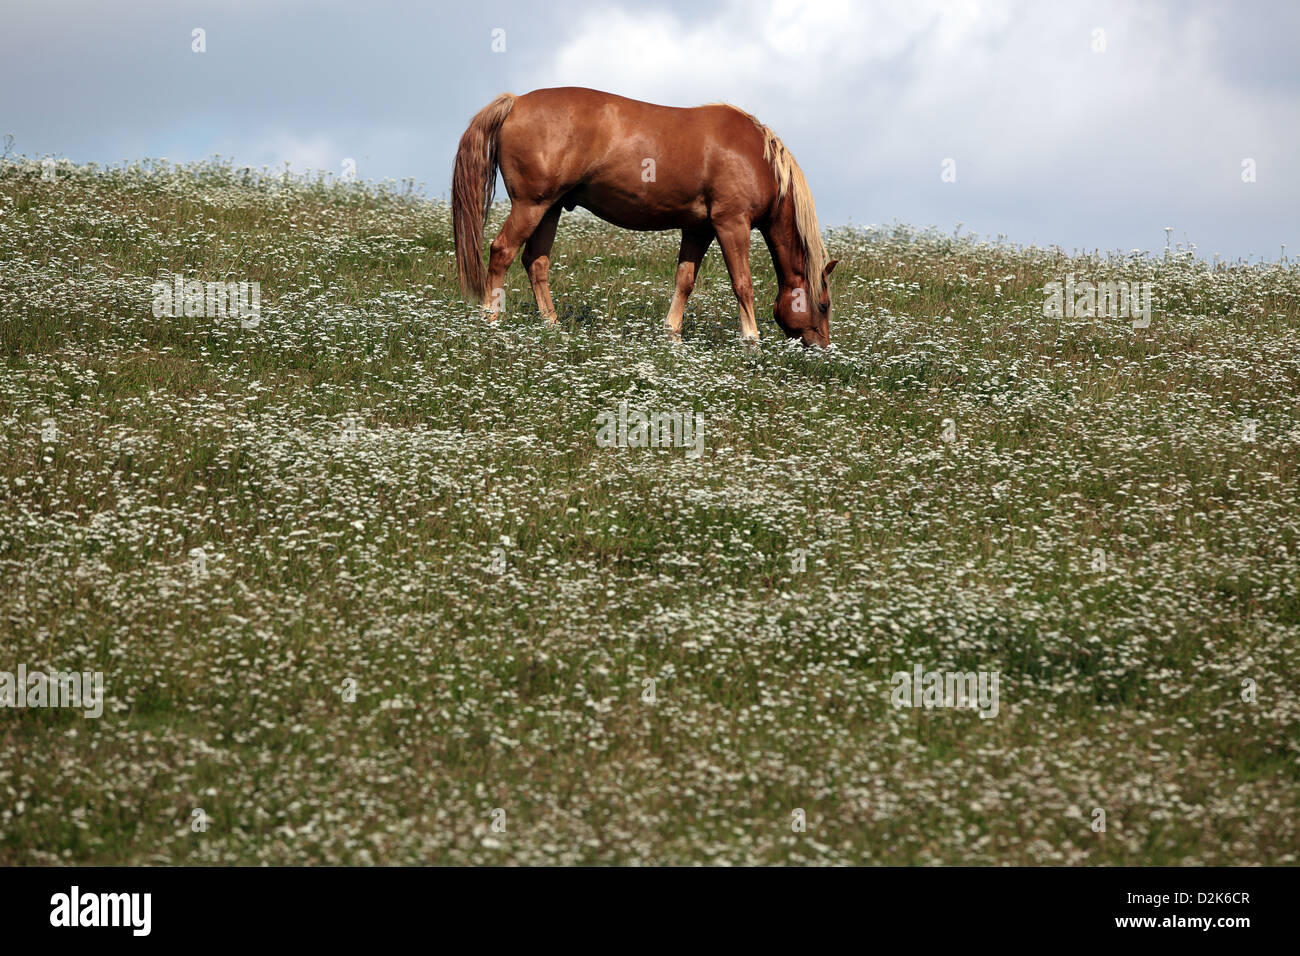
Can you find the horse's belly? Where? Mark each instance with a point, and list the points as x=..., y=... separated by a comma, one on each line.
x=641, y=209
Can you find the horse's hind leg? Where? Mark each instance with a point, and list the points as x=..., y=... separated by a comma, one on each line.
x=694, y=245
x=519, y=225
x=537, y=262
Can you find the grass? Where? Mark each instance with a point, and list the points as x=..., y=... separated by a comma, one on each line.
x=393, y=497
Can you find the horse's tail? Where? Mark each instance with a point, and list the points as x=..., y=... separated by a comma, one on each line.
x=473, y=184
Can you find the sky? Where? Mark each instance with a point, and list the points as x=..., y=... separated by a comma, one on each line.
x=1086, y=125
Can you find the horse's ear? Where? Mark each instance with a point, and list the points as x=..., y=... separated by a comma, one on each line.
x=826, y=273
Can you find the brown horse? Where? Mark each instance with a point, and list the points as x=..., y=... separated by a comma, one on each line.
x=711, y=171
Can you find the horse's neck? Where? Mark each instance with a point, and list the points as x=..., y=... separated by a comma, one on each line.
x=784, y=244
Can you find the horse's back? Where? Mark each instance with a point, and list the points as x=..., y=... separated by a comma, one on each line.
x=640, y=165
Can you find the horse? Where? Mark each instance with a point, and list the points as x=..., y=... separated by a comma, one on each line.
x=711, y=171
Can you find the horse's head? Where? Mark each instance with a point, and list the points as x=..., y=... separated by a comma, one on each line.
x=802, y=318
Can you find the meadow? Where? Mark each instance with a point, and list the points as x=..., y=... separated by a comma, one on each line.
x=365, y=589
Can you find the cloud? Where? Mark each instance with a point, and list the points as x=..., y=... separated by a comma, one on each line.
x=1053, y=142
x=1090, y=125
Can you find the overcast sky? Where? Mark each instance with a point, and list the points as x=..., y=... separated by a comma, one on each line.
x=1059, y=134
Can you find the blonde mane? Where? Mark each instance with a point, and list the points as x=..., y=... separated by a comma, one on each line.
x=790, y=179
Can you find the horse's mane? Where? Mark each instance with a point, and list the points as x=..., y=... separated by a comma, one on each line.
x=790, y=179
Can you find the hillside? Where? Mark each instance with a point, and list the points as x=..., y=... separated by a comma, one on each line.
x=362, y=583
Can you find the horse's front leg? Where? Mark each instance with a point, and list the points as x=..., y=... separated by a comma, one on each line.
x=733, y=237
x=694, y=245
